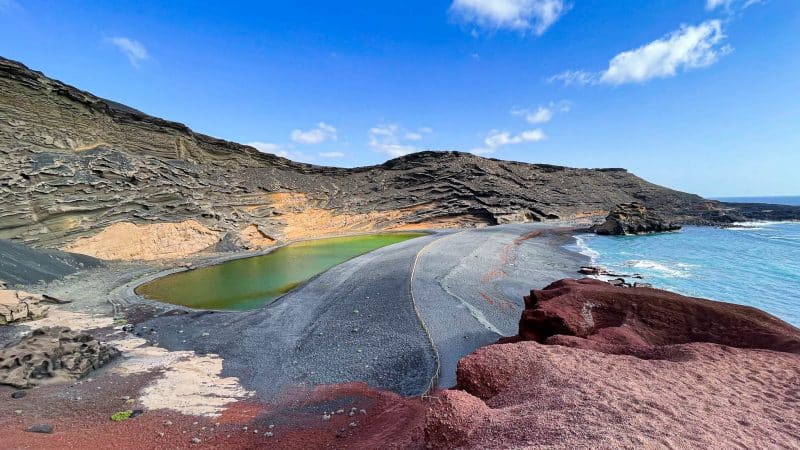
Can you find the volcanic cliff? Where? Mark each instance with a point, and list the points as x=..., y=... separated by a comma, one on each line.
x=82, y=173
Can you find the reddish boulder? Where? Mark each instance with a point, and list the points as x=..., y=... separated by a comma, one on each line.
x=634, y=320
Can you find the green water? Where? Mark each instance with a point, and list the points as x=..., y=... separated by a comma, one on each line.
x=253, y=282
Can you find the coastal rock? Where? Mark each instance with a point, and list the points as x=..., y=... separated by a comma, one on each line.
x=20, y=305
x=633, y=218
x=52, y=353
x=679, y=369
x=593, y=314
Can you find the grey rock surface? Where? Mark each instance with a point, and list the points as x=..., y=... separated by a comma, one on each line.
x=633, y=218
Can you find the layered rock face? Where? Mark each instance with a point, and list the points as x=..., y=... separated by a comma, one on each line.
x=53, y=352
x=72, y=165
x=596, y=366
x=633, y=218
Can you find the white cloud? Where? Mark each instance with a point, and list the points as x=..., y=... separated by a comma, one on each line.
x=497, y=139
x=331, y=154
x=317, y=135
x=574, y=77
x=520, y=15
x=729, y=4
x=543, y=113
x=277, y=150
x=134, y=50
x=689, y=47
x=392, y=140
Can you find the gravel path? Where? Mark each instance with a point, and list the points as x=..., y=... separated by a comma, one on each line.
x=468, y=286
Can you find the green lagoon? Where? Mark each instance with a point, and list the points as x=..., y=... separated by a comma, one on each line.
x=250, y=283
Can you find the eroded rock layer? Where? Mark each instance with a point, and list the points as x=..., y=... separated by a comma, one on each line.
x=72, y=165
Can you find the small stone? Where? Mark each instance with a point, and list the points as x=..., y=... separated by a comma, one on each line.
x=271, y=426
x=137, y=413
x=341, y=411
x=40, y=428
x=17, y=411
x=160, y=434
x=195, y=423
x=255, y=431
x=355, y=312
x=196, y=440
x=268, y=434
x=353, y=424
x=205, y=334
x=363, y=411
x=326, y=417
x=351, y=413
x=167, y=423
x=18, y=394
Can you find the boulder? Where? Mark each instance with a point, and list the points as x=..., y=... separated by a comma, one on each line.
x=633, y=218
x=52, y=353
x=589, y=313
x=20, y=305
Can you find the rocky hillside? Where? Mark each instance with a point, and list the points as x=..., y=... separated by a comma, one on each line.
x=78, y=171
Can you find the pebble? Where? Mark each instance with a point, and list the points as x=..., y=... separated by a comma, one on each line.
x=326, y=417
x=353, y=424
x=17, y=411
x=341, y=411
x=271, y=426
x=268, y=434
x=196, y=440
x=168, y=423
x=40, y=428
x=161, y=434
x=363, y=411
x=255, y=431
x=18, y=394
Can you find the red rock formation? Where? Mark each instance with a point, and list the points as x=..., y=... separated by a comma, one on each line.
x=593, y=314
x=602, y=367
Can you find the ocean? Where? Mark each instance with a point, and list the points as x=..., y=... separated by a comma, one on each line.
x=755, y=263
x=783, y=200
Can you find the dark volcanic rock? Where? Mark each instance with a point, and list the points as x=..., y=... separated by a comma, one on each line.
x=594, y=314
x=48, y=353
x=40, y=428
x=633, y=218
x=71, y=164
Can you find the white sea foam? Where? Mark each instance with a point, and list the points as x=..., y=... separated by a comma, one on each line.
x=584, y=249
x=679, y=270
x=759, y=224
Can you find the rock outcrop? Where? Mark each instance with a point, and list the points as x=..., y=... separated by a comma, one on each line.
x=597, y=366
x=17, y=306
x=72, y=165
x=52, y=353
x=633, y=218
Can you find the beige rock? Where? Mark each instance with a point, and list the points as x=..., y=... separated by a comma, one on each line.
x=128, y=241
x=20, y=305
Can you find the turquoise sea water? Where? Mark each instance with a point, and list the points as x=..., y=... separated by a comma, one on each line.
x=755, y=264
x=783, y=200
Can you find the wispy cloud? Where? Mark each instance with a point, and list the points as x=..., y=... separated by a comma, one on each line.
x=134, y=50
x=393, y=141
x=520, y=15
x=689, y=47
x=543, y=113
x=729, y=5
x=331, y=154
x=275, y=149
x=320, y=133
x=497, y=139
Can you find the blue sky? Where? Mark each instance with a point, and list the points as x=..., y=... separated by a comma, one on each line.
x=698, y=95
